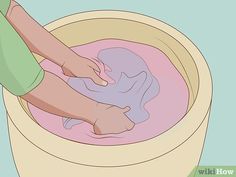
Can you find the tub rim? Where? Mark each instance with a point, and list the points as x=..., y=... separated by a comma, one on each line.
x=47, y=143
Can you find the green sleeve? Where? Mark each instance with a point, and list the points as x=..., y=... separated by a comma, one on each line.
x=19, y=71
x=4, y=4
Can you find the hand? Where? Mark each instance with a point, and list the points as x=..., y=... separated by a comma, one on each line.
x=84, y=68
x=112, y=119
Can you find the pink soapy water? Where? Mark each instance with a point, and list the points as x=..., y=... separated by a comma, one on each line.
x=165, y=110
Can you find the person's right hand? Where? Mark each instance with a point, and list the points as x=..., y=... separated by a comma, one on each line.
x=112, y=119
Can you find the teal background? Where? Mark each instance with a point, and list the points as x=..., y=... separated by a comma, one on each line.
x=209, y=24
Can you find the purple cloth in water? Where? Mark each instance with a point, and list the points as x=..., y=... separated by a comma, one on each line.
x=134, y=84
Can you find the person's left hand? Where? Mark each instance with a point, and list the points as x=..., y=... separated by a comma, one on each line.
x=84, y=68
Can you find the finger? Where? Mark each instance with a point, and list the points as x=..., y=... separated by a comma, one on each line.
x=97, y=79
x=126, y=109
x=94, y=66
x=96, y=130
x=130, y=125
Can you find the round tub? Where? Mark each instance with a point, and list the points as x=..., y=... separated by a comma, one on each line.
x=173, y=153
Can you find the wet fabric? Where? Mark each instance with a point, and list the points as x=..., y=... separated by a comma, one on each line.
x=133, y=86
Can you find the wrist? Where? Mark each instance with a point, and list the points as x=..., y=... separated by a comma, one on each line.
x=67, y=62
x=92, y=112
x=97, y=111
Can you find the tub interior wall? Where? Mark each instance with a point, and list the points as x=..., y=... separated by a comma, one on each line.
x=82, y=32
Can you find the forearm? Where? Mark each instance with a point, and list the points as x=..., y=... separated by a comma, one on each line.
x=38, y=39
x=55, y=96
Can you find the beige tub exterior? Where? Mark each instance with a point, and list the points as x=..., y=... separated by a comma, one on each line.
x=174, y=153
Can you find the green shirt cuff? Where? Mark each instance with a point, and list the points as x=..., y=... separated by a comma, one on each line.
x=34, y=84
